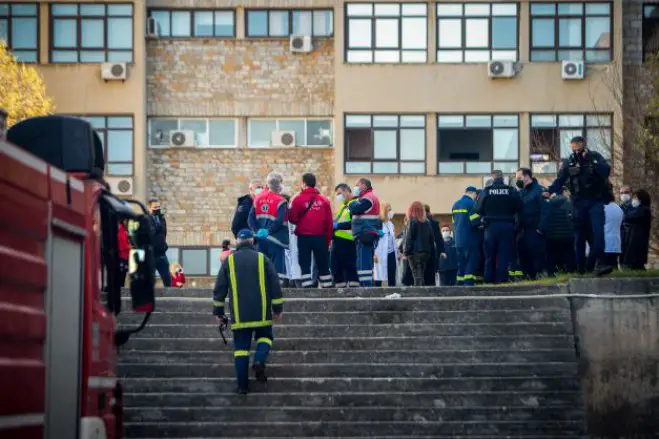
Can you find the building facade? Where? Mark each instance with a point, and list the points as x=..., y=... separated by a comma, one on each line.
x=400, y=92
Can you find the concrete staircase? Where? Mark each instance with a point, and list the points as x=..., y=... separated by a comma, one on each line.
x=350, y=363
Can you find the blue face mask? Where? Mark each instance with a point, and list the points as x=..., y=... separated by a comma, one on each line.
x=340, y=198
x=258, y=190
x=355, y=191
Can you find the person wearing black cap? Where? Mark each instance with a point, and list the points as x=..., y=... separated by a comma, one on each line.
x=586, y=174
x=256, y=301
x=466, y=236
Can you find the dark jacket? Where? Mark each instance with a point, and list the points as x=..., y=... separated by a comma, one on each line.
x=420, y=238
x=498, y=203
x=241, y=214
x=557, y=222
x=465, y=233
x=437, y=233
x=159, y=224
x=256, y=284
x=586, y=177
x=533, y=202
x=450, y=263
x=637, y=237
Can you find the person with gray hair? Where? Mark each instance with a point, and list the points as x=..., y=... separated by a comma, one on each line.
x=269, y=219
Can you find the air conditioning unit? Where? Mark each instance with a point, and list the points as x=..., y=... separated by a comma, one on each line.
x=183, y=138
x=120, y=185
x=152, y=28
x=283, y=139
x=114, y=71
x=301, y=44
x=501, y=69
x=573, y=70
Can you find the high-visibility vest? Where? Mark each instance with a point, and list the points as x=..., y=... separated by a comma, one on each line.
x=343, y=216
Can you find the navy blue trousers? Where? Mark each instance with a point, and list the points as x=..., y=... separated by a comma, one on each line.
x=344, y=263
x=531, y=252
x=277, y=254
x=242, y=343
x=588, y=227
x=499, y=240
x=365, y=254
x=467, y=263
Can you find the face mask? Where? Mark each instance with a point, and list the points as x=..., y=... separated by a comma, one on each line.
x=340, y=198
x=636, y=203
x=520, y=184
x=446, y=235
x=355, y=191
x=155, y=210
x=258, y=190
x=390, y=214
x=625, y=198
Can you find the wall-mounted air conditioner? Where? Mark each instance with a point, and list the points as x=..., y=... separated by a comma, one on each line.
x=120, y=185
x=283, y=139
x=114, y=71
x=573, y=70
x=501, y=69
x=301, y=44
x=182, y=138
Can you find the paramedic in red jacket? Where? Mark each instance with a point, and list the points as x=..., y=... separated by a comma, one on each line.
x=311, y=213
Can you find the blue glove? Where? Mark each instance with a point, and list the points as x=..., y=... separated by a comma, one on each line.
x=262, y=233
x=380, y=233
x=336, y=225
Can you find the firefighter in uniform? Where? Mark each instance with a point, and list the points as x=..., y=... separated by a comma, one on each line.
x=466, y=236
x=255, y=299
x=498, y=206
x=586, y=173
x=344, y=253
x=366, y=229
x=269, y=219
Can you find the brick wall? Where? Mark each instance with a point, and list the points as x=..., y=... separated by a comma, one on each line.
x=632, y=33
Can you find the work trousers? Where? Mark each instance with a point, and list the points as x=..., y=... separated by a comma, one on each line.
x=344, y=263
x=418, y=262
x=499, y=240
x=467, y=264
x=588, y=227
x=514, y=268
x=560, y=256
x=365, y=262
x=277, y=254
x=162, y=265
x=531, y=253
x=317, y=246
x=448, y=278
x=242, y=343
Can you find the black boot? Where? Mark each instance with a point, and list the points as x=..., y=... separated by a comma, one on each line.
x=259, y=372
x=241, y=391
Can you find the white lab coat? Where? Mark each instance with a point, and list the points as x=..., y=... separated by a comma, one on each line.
x=612, y=224
x=382, y=251
x=293, y=271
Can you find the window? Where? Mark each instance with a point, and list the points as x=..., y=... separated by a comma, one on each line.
x=19, y=30
x=91, y=32
x=208, y=133
x=477, y=32
x=196, y=261
x=308, y=132
x=551, y=135
x=386, y=32
x=571, y=32
x=650, y=30
x=385, y=144
x=116, y=133
x=197, y=23
x=281, y=23
x=477, y=144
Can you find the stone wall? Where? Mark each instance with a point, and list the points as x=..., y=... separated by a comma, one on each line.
x=239, y=78
x=199, y=188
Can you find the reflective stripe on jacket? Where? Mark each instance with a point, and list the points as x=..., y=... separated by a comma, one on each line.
x=344, y=220
x=367, y=221
x=464, y=217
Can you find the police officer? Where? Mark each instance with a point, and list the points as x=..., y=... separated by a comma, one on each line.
x=269, y=219
x=256, y=300
x=344, y=253
x=466, y=236
x=366, y=228
x=477, y=222
x=586, y=174
x=498, y=205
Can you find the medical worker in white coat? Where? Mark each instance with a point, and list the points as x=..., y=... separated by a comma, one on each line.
x=386, y=253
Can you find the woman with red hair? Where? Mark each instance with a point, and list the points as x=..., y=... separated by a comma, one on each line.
x=419, y=245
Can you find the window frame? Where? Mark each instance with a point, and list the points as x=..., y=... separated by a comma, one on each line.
x=584, y=128
x=9, y=17
x=306, y=121
x=78, y=19
x=463, y=18
x=643, y=28
x=397, y=129
x=556, y=48
x=373, y=18
x=290, y=12
x=192, y=23
x=491, y=128
x=178, y=128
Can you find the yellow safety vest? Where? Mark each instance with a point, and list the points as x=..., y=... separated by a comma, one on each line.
x=344, y=217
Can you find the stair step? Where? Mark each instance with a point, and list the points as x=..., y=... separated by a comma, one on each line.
x=349, y=414
x=531, y=399
x=358, y=429
x=521, y=342
x=368, y=317
x=323, y=356
x=227, y=384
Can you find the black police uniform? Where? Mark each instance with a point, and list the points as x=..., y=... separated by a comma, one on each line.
x=498, y=205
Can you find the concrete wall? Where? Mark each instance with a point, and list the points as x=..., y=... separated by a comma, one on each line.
x=618, y=345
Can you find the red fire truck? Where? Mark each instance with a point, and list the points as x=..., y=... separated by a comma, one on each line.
x=59, y=291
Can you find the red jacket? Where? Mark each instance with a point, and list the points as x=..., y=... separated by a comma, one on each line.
x=178, y=279
x=124, y=243
x=317, y=220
